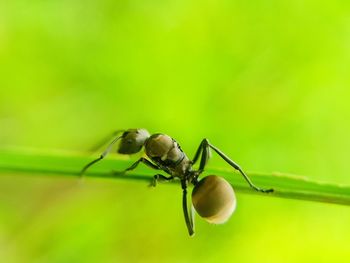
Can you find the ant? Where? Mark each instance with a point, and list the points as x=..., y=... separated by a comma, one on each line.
x=212, y=197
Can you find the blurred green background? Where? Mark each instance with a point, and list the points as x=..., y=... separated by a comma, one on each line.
x=266, y=81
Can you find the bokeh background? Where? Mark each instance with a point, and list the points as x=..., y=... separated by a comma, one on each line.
x=266, y=81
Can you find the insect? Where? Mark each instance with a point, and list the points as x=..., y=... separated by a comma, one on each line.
x=212, y=197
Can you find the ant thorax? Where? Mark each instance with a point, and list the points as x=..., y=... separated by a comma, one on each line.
x=166, y=152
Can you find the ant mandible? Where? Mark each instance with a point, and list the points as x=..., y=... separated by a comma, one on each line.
x=212, y=197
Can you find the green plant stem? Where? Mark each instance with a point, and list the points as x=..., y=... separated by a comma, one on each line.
x=32, y=162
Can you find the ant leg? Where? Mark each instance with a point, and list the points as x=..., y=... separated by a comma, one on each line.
x=196, y=156
x=103, y=155
x=188, y=219
x=151, y=165
x=205, y=155
x=160, y=178
x=192, y=213
x=105, y=140
x=207, y=145
x=236, y=166
x=142, y=160
x=204, y=151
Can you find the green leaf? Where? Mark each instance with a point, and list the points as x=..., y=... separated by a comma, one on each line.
x=62, y=163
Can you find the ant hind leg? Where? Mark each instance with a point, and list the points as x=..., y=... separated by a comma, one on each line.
x=205, y=147
x=188, y=219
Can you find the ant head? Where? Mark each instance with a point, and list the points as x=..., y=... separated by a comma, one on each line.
x=214, y=199
x=132, y=141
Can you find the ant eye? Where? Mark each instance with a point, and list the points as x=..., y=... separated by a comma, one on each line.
x=214, y=199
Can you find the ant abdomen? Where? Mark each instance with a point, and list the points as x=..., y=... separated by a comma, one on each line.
x=214, y=199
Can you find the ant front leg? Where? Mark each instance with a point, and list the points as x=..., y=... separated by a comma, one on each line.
x=160, y=178
x=156, y=178
x=141, y=160
x=105, y=140
x=102, y=156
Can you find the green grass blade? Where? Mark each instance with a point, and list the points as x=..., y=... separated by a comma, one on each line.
x=33, y=162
